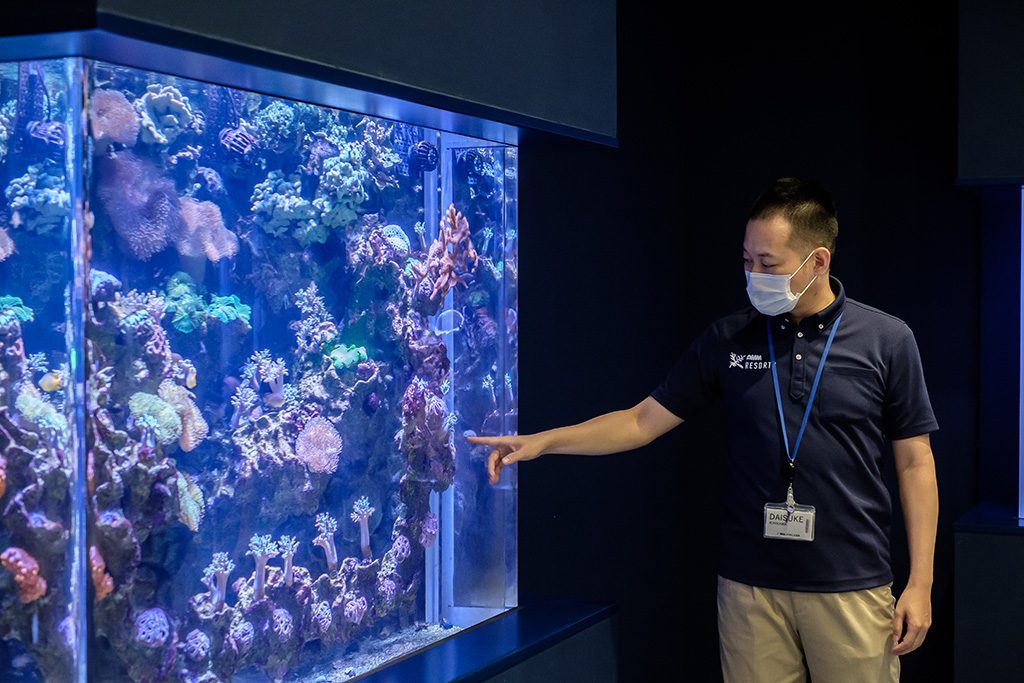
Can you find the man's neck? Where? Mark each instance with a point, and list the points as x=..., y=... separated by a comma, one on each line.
x=818, y=301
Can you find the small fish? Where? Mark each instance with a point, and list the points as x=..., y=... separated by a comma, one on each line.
x=190, y=378
x=273, y=400
x=51, y=381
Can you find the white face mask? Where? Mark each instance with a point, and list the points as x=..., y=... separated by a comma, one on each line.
x=770, y=294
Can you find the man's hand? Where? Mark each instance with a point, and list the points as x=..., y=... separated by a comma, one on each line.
x=507, y=450
x=913, y=610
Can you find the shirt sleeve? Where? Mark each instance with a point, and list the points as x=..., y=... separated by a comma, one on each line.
x=692, y=383
x=907, y=410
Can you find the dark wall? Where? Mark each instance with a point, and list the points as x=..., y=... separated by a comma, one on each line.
x=626, y=254
x=991, y=98
x=552, y=62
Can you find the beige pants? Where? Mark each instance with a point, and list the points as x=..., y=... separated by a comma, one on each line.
x=777, y=636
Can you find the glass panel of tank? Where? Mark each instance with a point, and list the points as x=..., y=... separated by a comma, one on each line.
x=293, y=314
x=40, y=331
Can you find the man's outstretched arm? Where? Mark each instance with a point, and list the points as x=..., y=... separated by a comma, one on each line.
x=614, y=432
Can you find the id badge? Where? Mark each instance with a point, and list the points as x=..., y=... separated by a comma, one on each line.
x=791, y=523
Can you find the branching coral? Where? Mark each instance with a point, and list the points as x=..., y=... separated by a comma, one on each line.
x=450, y=252
x=31, y=586
x=262, y=550
x=327, y=526
x=361, y=512
x=316, y=326
x=318, y=446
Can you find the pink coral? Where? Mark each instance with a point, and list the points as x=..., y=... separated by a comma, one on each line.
x=453, y=233
x=318, y=446
x=26, y=573
x=140, y=202
x=204, y=233
x=112, y=118
x=101, y=580
x=6, y=245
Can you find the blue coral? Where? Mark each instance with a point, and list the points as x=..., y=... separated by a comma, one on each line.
x=40, y=199
x=279, y=208
x=340, y=192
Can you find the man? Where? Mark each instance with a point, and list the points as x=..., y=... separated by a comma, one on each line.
x=813, y=384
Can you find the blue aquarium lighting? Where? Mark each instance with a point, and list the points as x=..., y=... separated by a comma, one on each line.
x=247, y=319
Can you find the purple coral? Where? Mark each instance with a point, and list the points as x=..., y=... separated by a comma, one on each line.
x=355, y=608
x=361, y=512
x=142, y=205
x=242, y=634
x=215, y=576
x=428, y=530
x=197, y=645
x=401, y=548
x=152, y=627
x=262, y=549
x=282, y=624
x=322, y=616
x=327, y=526
x=318, y=446
x=288, y=545
x=387, y=590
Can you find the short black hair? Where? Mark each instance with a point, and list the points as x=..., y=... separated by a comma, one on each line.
x=806, y=205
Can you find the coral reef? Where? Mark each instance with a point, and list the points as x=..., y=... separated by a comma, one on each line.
x=112, y=119
x=25, y=569
x=279, y=208
x=203, y=232
x=39, y=200
x=164, y=114
x=318, y=446
x=140, y=203
x=288, y=362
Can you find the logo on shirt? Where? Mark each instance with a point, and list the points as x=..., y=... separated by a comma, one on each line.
x=748, y=361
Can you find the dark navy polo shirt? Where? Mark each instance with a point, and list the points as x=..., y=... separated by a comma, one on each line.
x=872, y=390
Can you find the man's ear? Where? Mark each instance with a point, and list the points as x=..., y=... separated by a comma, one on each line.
x=822, y=260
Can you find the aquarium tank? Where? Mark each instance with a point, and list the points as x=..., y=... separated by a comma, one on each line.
x=242, y=339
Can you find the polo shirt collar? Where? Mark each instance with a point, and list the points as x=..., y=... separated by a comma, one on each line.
x=825, y=316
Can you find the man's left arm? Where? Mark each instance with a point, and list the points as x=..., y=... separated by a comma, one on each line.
x=915, y=470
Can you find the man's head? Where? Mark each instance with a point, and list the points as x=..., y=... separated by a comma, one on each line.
x=792, y=230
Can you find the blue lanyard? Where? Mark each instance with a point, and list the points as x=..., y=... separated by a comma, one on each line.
x=810, y=398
